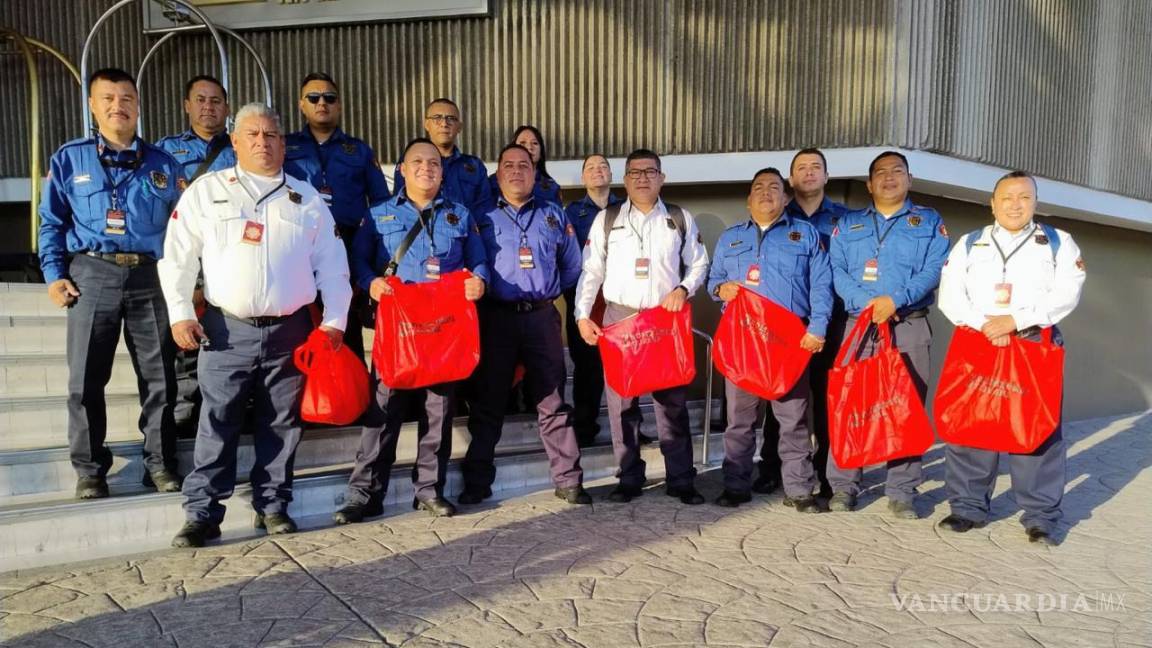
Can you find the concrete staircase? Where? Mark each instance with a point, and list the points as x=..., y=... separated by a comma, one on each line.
x=43, y=524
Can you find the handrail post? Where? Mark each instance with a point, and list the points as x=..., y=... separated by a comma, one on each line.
x=707, y=396
x=33, y=131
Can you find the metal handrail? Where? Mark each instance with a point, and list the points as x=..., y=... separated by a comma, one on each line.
x=707, y=396
x=196, y=28
x=120, y=5
x=26, y=45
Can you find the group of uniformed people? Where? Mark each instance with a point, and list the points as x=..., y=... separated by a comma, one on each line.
x=233, y=247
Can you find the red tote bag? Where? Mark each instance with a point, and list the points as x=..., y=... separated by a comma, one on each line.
x=757, y=345
x=336, y=387
x=426, y=333
x=874, y=412
x=649, y=351
x=1005, y=399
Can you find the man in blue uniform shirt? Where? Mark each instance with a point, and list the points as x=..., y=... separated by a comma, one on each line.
x=533, y=255
x=205, y=146
x=889, y=257
x=103, y=215
x=587, y=371
x=341, y=167
x=808, y=175
x=465, y=176
x=448, y=240
x=779, y=256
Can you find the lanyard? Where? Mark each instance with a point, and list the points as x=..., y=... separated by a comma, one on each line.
x=643, y=228
x=516, y=221
x=1003, y=258
x=429, y=224
x=134, y=165
x=876, y=229
x=283, y=179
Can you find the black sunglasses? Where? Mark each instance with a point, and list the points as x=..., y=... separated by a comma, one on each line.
x=328, y=97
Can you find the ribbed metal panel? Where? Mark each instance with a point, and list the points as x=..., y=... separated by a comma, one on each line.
x=1059, y=87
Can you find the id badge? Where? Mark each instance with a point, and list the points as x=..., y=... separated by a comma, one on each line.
x=871, y=270
x=526, y=260
x=253, y=233
x=1003, y=292
x=643, y=266
x=753, y=276
x=432, y=268
x=115, y=222
x=326, y=194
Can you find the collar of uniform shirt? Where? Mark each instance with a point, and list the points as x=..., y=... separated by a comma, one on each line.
x=103, y=150
x=639, y=222
x=258, y=186
x=903, y=208
x=1004, y=234
x=402, y=197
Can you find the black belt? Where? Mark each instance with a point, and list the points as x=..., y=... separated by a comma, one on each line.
x=916, y=314
x=521, y=306
x=123, y=259
x=259, y=322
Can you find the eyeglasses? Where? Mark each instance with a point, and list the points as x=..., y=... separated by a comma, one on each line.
x=451, y=120
x=328, y=97
x=636, y=174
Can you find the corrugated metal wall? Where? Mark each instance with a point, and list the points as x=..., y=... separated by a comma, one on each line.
x=1060, y=87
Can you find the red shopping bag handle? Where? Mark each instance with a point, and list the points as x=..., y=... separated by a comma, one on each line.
x=305, y=354
x=855, y=338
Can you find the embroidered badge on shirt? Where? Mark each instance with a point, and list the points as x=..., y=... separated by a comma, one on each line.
x=469, y=167
x=914, y=221
x=794, y=236
x=855, y=226
x=181, y=184
x=1041, y=239
x=253, y=233
x=1080, y=265
x=570, y=231
x=160, y=179
x=349, y=148
x=180, y=152
x=943, y=230
x=387, y=217
x=670, y=223
x=452, y=219
x=552, y=222
x=293, y=197
x=81, y=179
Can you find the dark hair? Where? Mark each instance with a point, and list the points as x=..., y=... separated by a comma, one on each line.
x=896, y=154
x=772, y=171
x=511, y=147
x=414, y=142
x=643, y=154
x=204, y=77
x=115, y=75
x=542, y=165
x=443, y=100
x=592, y=155
x=1012, y=175
x=318, y=76
x=808, y=151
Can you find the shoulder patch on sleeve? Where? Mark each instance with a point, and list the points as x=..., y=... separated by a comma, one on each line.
x=1080, y=265
x=943, y=230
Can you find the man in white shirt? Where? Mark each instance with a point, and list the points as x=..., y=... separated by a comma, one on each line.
x=267, y=244
x=1012, y=278
x=651, y=255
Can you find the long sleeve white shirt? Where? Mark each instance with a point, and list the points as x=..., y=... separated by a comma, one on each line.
x=297, y=253
x=1045, y=288
x=635, y=235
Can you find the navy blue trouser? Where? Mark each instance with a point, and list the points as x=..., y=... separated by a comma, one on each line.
x=533, y=338
x=241, y=364
x=794, y=446
x=587, y=376
x=1038, y=478
x=383, y=421
x=913, y=338
x=111, y=298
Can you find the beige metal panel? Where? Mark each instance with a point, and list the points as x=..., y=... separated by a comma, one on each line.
x=1057, y=87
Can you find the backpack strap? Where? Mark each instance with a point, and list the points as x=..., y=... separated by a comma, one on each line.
x=610, y=216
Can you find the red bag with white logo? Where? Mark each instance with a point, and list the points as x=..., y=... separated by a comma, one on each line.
x=426, y=333
x=649, y=351
x=336, y=387
x=874, y=412
x=757, y=345
x=1005, y=399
